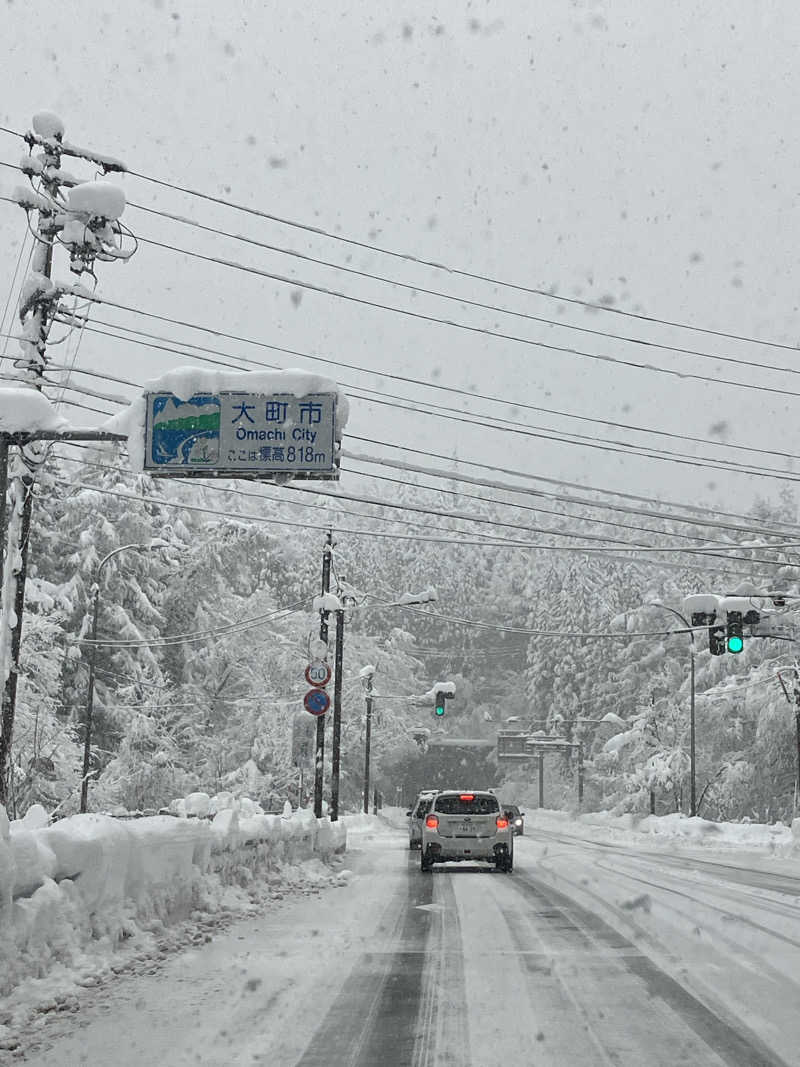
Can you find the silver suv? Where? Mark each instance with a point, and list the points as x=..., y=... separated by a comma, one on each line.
x=415, y=817
x=464, y=825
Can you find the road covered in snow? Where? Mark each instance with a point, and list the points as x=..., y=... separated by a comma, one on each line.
x=601, y=948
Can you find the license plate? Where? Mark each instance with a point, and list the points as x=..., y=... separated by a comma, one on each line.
x=466, y=825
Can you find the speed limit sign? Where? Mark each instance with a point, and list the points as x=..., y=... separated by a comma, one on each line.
x=318, y=673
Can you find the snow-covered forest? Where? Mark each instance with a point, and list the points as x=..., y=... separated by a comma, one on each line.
x=200, y=684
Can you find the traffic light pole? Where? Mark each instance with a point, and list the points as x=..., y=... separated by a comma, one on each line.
x=367, y=742
x=692, y=731
x=337, y=715
x=319, y=753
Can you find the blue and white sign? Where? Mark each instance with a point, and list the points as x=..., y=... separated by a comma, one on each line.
x=316, y=701
x=241, y=434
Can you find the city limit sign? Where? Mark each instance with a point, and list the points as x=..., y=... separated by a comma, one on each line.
x=237, y=434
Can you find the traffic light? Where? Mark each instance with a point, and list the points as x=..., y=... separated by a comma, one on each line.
x=735, y=633
x=439, y=703
x=716, y=640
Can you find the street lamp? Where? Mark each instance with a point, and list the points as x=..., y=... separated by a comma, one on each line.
x=692, y=760
x=87, y=739
x=427, y=596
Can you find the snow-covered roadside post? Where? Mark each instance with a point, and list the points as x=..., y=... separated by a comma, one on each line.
x=84, y=221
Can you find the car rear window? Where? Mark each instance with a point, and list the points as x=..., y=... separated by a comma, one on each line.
x=460, y=805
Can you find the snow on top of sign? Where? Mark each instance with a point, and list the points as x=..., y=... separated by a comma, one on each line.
x=24, y=409
x=186, y=382
x=97, y=199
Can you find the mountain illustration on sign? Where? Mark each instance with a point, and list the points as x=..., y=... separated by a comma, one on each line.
x=185, y=432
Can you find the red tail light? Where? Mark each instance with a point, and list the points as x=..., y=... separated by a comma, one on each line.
x=467, y=796
x=432, y=822
x=502, y=822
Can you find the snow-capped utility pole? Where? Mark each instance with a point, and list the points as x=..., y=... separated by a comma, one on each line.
x=83, y=217
x=319, y=747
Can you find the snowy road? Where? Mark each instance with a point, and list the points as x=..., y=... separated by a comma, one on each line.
x=589, y=953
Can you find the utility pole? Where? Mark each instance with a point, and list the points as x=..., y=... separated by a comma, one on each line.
x=541, y=780
x=87, y=225
x=367, y=741
x=85, y=222
x=794, y=698
x=337, y=715
x=319, y=754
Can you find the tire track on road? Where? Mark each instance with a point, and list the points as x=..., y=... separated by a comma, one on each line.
x=374, y=1018
x=602, y=964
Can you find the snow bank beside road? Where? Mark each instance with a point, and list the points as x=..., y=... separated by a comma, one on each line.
x=680, y=829
x=81, y=887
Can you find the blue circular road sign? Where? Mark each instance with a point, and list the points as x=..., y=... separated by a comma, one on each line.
x=316, y=701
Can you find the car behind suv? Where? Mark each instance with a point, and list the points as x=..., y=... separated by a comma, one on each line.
x=418, y=812
x=464, y=825
x=515, y=817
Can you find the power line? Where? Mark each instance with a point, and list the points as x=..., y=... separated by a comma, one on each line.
x=453, y=476
x=432, y=511
x=169, y=346
x=507, y=488
x=601, y=634
x=438, y=266
x=461, y=541
x=452, y=323
x=498, y=424
x=198, y=635
x=465, y=301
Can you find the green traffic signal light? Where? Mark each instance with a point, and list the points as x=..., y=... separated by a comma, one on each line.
x=438, y=708
x=735, y=637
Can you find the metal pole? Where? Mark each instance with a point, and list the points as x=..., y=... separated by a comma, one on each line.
x=25, y=483
x=541, y=781
x=337, y=716
x=319, y=754
x=3, y=489
x=87, y=736
x=692, y=724
x=580, y=773
x=692, y=753
x=367, y=743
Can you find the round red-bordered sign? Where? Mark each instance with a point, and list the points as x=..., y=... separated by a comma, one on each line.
x=318, y=673
x=316, y=701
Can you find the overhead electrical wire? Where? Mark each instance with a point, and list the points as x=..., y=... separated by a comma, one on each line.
x=464, y=301
x=416, y=508
x=523, y=429
x=461, y=541
x=438, y=265
x=453, y=476
x=483, y=331
x=198, y=635
x=170, y=346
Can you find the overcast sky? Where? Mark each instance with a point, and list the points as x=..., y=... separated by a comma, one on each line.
x=638, y=153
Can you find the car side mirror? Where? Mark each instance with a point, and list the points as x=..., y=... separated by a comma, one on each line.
x=408, y=814
x=522, y=814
